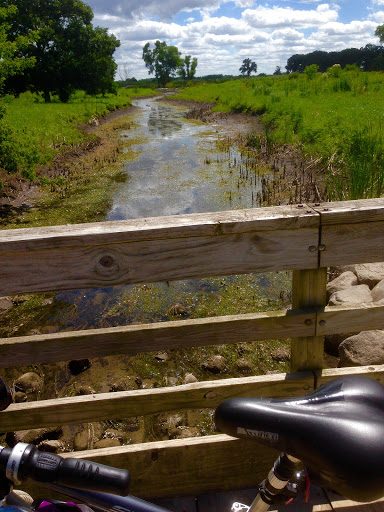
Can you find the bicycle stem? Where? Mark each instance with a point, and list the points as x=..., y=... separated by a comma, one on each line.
x=282, y=472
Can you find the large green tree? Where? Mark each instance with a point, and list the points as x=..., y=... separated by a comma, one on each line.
x=69, y=53
x=10, y=61
x=248, y=67
x=188, y=67
x=163, y=61
x=379, y=32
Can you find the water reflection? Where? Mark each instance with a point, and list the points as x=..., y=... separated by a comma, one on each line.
x=178, y=170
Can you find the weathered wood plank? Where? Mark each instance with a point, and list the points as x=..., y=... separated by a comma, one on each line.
x=125, y=404
x=373, y=371
x=308, y=293
x=135, y=339
x=109, y=264
x=187, y=466
x=343, y=319
x=352, y=243
x=154, y=228
x=350, y=212
x=350, y=506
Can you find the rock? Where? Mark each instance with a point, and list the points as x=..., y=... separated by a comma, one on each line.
x=5, y=304
x=29, y=382
x=84, y=390
x=332, y=342
x=362, y=349
x=81, y=441
x=86, y=438
x=107, y=443
x=33, y=436
x=162, y=357
x=244, y=365
x=281, y=354
x=345, y=280
x=124, y=384
x=178, y=310
x=20, y=397
x=78, y=366
x=52, y=446
x=214, y=364
x=175, y=421
x=113, y=433
x=189, y=378
x=355, y=295
x=171, y=381
x=370, y=273
x=184, y=433
x=346, y=268
x=331, y=361
x=378, y=291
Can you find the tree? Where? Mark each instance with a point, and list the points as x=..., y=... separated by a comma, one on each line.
x=10, y=63
x=379, y=32
x=248, y=67
x=69, y=53
x=277, y=70
x=188, y=67
x=163, y=61
x=311, y=71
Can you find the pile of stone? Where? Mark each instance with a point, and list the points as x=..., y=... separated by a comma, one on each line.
x=357, y=285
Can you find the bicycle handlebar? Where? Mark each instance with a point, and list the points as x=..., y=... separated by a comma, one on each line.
x=25, y=461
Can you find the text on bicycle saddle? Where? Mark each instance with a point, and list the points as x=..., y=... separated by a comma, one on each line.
x=337, y=431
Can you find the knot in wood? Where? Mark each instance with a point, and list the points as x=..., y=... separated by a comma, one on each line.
x=210, y=395
x=107, y=261
x=107, y=265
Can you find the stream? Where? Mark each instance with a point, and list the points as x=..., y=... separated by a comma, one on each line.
x=179, y=167
x=174, y=166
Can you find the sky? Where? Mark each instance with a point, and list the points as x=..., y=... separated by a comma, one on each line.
x=221, y=33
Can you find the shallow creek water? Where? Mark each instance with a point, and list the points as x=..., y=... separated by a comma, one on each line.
x=177, y=169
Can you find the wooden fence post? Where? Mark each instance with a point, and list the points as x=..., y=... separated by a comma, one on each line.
x=308, y=294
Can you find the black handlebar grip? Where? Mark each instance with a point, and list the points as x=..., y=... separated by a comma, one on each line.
x=88, y=475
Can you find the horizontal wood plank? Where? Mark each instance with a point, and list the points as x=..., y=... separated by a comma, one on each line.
x=350, y=212
x=134, y=339
x=154, y=228
x=344, y=319
x=352, y=243
x=125, y=404
x=373, y=371
x=110, y=264
x=188, y=466
x=338, y=505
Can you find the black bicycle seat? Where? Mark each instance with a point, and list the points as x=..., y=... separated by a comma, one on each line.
x=337, y=431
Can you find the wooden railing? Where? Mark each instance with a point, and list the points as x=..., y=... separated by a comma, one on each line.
x=304, y=238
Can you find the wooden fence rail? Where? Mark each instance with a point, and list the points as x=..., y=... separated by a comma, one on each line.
x=303, y=238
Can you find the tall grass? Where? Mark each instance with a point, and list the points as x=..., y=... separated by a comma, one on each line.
x=33, y=132
x=336, y=116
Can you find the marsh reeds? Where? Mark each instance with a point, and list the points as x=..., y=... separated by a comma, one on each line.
x=360, y=170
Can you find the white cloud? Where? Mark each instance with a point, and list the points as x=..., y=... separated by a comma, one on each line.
x=269, y=33
x=282, y=17
x=164, y=9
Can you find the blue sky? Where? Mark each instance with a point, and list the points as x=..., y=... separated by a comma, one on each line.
x=221, y=34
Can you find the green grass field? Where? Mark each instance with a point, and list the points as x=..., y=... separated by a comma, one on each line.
x=336, y=116
x=33, y=132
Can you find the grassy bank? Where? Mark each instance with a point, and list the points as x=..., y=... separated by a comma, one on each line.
x=36, y=132
x=336, y=116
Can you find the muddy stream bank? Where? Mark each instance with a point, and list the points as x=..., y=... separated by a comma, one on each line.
x=175, y=166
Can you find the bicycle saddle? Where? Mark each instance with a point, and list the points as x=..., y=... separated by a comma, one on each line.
x=337, y=431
